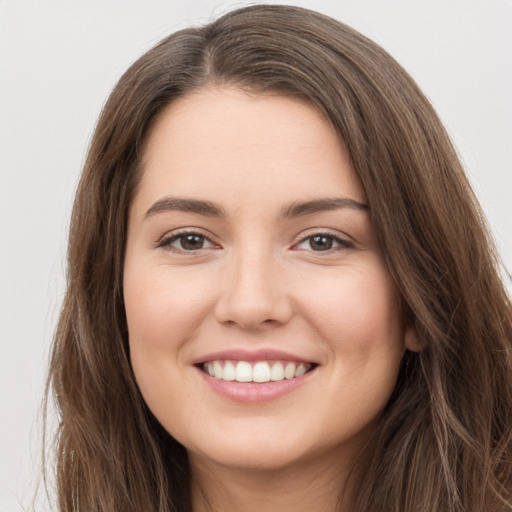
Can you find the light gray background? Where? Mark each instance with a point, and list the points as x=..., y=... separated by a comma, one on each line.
x=58, y=62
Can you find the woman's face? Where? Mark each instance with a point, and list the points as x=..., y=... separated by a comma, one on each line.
x=251, y=257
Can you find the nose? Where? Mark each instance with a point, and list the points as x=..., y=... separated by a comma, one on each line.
x=253, y=294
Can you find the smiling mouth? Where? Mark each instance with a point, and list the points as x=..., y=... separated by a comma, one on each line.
x=255, y=371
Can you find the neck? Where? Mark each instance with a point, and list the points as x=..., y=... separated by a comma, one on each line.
x=316, y=485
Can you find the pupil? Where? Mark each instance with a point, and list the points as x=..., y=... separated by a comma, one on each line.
x=321, y=243
x=192, y=242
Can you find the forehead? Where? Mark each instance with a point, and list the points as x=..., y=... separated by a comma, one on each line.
x=225, y=144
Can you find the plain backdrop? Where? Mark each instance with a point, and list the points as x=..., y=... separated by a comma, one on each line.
x=58, y=62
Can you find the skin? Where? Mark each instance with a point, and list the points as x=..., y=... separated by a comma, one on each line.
x=257, y=283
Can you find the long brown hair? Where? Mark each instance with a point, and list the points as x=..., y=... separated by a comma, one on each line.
x=445, y=439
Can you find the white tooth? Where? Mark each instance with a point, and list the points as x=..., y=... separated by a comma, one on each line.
x=229, y=371
x=301, y=369
x=277, y=372
x=209, y=369
x=217, y=369
x=243, y=372
x=289, y=371
x=261, y=372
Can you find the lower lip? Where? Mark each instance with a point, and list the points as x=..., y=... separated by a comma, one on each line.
x=254, y=392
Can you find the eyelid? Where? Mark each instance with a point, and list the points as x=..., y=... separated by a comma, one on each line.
x=344, y=240
x=172, y=235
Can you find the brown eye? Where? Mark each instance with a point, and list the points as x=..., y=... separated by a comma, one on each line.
x=185, y=242
x=321, y=242
x=191, y=242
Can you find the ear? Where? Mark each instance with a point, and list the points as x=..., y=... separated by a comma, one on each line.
x=411, y=339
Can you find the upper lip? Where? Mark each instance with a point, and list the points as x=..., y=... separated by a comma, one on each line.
x=250, y=355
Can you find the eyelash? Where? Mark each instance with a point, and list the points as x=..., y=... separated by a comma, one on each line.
x=166, y=242
x=343, y=244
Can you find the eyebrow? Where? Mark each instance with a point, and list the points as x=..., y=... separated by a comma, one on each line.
x=299, y=208
x=166, y=204
x=294, y=209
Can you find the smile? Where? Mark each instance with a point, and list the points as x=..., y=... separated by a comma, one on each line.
x=255, y=371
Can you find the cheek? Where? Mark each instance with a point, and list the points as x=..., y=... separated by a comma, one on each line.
x=163, y=308
x=358, y=318
x=356, y=311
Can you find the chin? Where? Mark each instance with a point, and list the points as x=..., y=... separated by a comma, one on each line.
x=266, y=448
x=251, y=458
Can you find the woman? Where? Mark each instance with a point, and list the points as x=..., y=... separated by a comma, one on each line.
x=281, y=291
